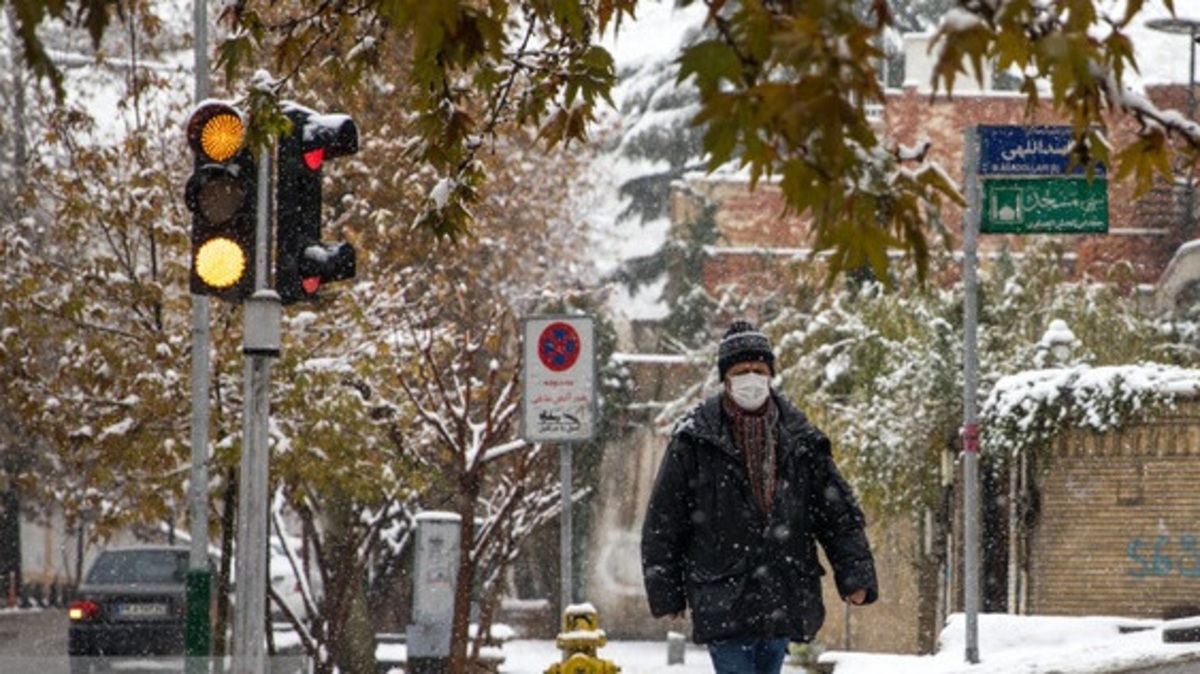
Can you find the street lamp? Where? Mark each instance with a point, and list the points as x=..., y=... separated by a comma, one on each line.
x=1191, y=28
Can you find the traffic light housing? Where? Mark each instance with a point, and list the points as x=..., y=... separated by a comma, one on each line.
x=221, y=196
x=304, y=263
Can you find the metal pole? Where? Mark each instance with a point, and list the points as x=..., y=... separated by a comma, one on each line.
x=198, y=641
x=261, y=344
x=1189, y=210
x=1192, y=74
x=249, y=646
x=262, y=234
x=565, y=534
x=1014, y=544
x=971, y=503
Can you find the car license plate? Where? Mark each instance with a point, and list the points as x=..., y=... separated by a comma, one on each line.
x=141, y=610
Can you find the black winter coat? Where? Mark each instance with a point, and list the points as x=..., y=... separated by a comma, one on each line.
x=706, y=545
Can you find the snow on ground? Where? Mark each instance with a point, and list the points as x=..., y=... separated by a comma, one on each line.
x=1007, y=645
x=633, y=657
x=534, y=656
x=1033, y=645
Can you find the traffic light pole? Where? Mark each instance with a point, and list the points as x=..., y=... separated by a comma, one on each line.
x=261, y=344
x=249, y=647
x=198, y=630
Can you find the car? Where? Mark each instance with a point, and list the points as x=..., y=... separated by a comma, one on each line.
x=132, y=602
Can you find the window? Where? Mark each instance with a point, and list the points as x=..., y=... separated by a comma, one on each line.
x=139, y=566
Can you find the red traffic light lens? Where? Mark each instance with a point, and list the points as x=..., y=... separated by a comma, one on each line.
x=313, y=158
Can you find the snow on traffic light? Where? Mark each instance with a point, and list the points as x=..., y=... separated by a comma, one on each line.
x=303, y=263
x=221, y=196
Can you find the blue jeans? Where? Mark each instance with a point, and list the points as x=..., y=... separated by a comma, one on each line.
x=748, y=655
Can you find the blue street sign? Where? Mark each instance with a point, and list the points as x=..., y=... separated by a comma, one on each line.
x=1027, y=151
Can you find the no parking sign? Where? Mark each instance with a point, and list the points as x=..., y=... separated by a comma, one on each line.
x=559, y=392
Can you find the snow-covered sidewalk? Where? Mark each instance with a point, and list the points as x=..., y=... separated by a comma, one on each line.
x=1007, y=645
x=1034, y=645
x=633, y=657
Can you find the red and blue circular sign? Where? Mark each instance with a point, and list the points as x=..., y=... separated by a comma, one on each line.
x=559, y=346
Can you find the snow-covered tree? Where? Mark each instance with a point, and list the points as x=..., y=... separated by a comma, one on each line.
x=464, y=384
x=882, y=370
x=1024, y=299
x=878, y=372
x=95, y=341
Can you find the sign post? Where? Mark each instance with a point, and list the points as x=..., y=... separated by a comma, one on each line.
x=559, y=404
x=1030, y=186
x=972, y=512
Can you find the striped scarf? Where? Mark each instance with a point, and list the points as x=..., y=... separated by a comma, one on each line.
x=754, y=435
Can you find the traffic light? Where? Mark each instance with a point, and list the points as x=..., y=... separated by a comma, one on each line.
x=303, y=262
x=221, y=196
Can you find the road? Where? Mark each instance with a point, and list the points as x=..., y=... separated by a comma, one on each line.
x=1190, y=666
x=34, y=642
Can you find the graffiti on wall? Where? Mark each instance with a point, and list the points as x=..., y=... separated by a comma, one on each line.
x=1164, y=556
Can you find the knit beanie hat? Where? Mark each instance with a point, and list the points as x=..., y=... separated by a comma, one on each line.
x=743, y=343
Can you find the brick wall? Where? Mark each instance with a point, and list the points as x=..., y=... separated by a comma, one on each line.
x=1118, y=530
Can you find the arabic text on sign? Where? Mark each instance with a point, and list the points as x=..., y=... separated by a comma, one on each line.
x=1029, y=151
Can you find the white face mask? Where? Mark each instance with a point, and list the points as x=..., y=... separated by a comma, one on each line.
x=750, y=390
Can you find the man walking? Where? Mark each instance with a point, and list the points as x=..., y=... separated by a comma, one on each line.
x=746, y=490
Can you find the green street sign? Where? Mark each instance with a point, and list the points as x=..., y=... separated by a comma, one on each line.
x=1044, y=206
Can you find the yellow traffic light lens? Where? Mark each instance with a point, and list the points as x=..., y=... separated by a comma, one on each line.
x=218, y=196
x=222, y=136
x=221, y=262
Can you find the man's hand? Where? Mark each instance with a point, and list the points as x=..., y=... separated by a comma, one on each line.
x=857, y=597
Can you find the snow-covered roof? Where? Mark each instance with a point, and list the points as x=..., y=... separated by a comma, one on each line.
x=1099, y=397
x=1147, y=377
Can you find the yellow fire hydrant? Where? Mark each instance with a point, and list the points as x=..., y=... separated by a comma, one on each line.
x=579, y=640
